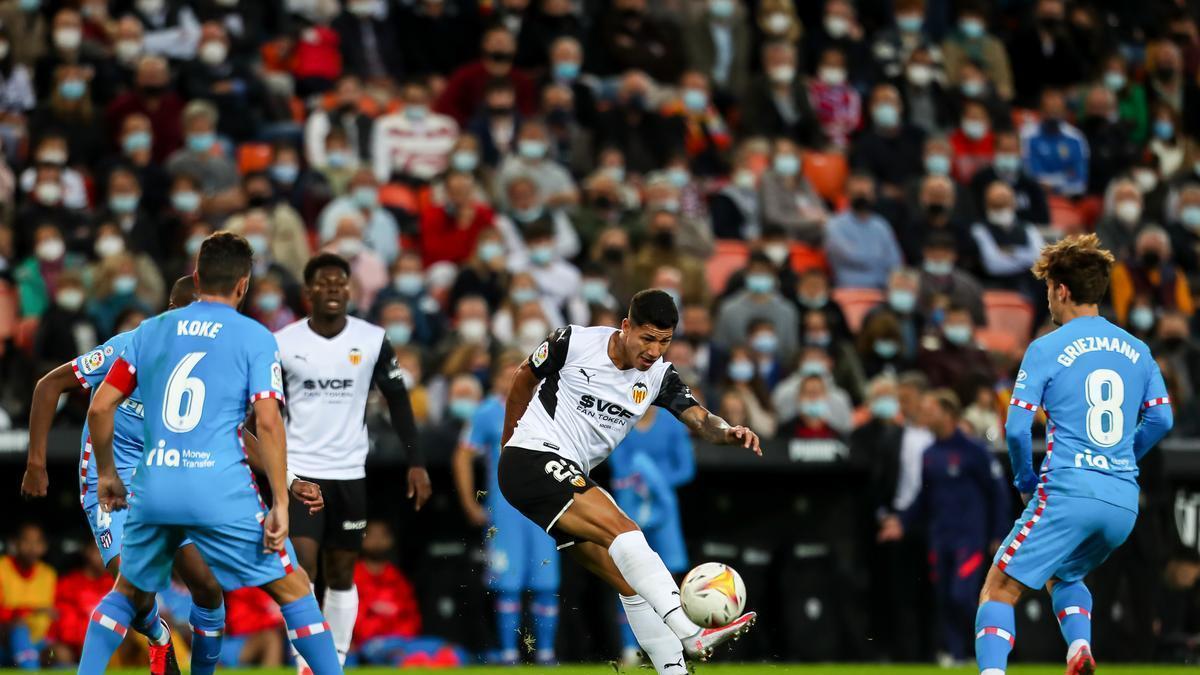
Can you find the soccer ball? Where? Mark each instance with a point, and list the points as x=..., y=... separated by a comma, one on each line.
x=712, y=595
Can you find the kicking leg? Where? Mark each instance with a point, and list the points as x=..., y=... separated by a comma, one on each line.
x=341, y=597
x=995, y=622
x=109, y=623
x=306, y=627
x=207, y=616
x=1073, y=606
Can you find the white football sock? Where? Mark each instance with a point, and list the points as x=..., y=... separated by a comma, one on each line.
x=341, y=611
x=991, y=671
x=658, y=641
x=301, y=664
x=645, y=572
x=1074, y=648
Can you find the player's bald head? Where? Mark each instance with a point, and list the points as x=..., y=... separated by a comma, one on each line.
x=183, y=292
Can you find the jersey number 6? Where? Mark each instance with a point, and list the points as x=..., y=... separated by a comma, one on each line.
x=185, y=396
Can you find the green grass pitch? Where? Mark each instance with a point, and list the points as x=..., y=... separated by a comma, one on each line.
x=723, y=669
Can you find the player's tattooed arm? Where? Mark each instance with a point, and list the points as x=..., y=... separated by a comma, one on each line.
x=101, y=419
x=714, y=429
x=62, y=379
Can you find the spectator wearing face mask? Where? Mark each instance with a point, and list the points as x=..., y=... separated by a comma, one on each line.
x=27, y=26
x=662, y=248
x=788, y=200
x=496, y=124
x=1184, y=230
x=928, y=106
x=944, y=283
x=117, y=288
x=742, y=379
x=1123, y=218
x=172, y=29
x=1044, y=54
x=368, y=271
x=776, y=103
x=632, y=125
x=450, y=228
x=569, y=140
x=291, y=183
x=408, y=285
x=814, y=361
x=777, y=247
x=464, y=94
x=545, y=26
x=1009, y=167
x=232, y=88
x=1178, y=353
x=812, y=420
x=837, y=104
x=934, y=211
x=347, y=110
x=1056, y=153
x=485, y=273
x=880, y=346
x=812, y=295
x=369, y=41
x=893, y=45
x=136, y=223
x=45, y=205
x=675, y=189
x=266, y=305
x=53, y=152
x=412, y=145
x=890, y=150
x=531, y=158
x=860, y=245
x=566, y=69
x=65, y=330
x=613, y=253
x=1111, y=147
x=68, y=110
x=1170, y=85
x=1168, y=146
x=470, y=326
x=204, y=158
x=900, y=301
x=717, y=39
x=1008, y=246
x=287, y=240
x=971, y=41
x=396, y=318
x=152, y=97
x=1149, y=271
x=526, y=208
x=260, y=231
x=1130, y=94
x=876, y=444
x=557, y=280
x=17, y=97
x=950, y=358
x=67, y=47
x=604, y=204
x=628, y=37
x=973, y=142
x=760, y=300
x=112, y=241
x=736, y=209
x=381, y=233
x=764, y=348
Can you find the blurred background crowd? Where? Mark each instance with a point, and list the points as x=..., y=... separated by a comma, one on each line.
x=844, y=197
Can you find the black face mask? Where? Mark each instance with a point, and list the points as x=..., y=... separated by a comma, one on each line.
x=636, y=102
x=559, y=117
x=499, y=57
x=613, y=254
x=1049, y=23
x=631, y=14
x=664, y=239
x=258, y=200
x=1172, y=343
x=936, y=210
x=860, y=203
x=1164, y=73
x=153, y=90
x=1151, y=259
x=499, y=110
x=347, y=109
x=603, y=202
x=1050, y=127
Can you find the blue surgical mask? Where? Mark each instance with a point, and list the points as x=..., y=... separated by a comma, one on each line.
x=137, y=140
x=741, y=370
x=566, y=70
x=462, y=408
x=678, y=176
x=902, y=300
x=787, y=165
x=201, y=142
x=530, y=148
x=813, y=367
x=464, y=160
x=285, y=173
x=617, y=173
x=814, y=409
x=268, y=302
x=721, y=9
x=971, y=28
x=520, y=296
x=337, y=159
x=909, y=23
x=1164, y=129
x=593, y=291
x=938, y=268
x=416, y=113
x=885, y=115
x=258, y=243
x=490, y=250
x=72, y=90
x=1006, y=163
x=366, y=196
x=1141, y=318
x=123, y=204
x=885, y=407
x=765, y=343
x=528, y=215
x=399, y=333
x=185, y=202
x=541, y=255
x=958, y=334
x=886, y=349
x=937, y=165
x=760, y=283
x=973, y=88
x=1114, y=80
x=124, y=284
x=192, y=245
x=695, y=100
x=408, y=283
x=1190, y=217
x=815, y=301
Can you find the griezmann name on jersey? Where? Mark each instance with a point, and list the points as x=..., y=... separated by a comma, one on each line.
x=1093, y=380
x=197, y=368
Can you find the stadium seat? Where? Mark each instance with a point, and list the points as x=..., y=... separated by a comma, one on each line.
x=856, y=302
x=827, y=172
x=804, y=258
x=729, y=256
x=253, y=157
x=1064, y=216
x=1009, y=312
x=26, y=332
x=1001, y=341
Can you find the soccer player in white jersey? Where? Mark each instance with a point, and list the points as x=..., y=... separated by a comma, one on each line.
x=571, y=403
x=330, y=361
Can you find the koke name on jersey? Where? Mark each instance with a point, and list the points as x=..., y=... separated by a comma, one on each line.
x=208, y=329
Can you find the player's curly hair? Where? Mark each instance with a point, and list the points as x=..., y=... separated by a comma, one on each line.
x=1078, y=263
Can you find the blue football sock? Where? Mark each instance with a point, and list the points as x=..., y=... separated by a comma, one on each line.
x=1073, y=607
x=25, y=653
x=150, y=625
x=508, y=624
x=208, y=629
x=995, y=635
x=628, y=639
x=310, y=635
x=110, y=621
x=545, y=623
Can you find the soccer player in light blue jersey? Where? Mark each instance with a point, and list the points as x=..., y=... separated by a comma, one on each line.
x=1106, y=405
x=197, y=369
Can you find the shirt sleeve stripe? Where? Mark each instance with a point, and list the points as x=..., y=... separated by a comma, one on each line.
x=123, y=376
x=1022, y=404
x=1157, y=401
x=79, y=376
x=267, y=394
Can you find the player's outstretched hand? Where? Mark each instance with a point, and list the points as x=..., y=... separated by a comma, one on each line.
x=891, y=529
x=275, y=530
x=419, y=487
x=111, y=492
x=747, y=439
x=35, y=482
x=309, y=494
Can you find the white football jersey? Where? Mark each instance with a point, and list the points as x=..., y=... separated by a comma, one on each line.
x=584, y=405
x=327, y=382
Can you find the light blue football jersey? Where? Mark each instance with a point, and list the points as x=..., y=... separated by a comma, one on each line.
x=90, y=369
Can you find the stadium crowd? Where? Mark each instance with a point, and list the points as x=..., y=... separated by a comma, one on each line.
x=837, y=193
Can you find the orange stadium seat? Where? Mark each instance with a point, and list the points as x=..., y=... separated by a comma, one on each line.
x=729, y=256
x=1064, y=216
x=856, y=302
x=1000, y=341
x=827, y=171
x=253, y=157
x=1009, y=312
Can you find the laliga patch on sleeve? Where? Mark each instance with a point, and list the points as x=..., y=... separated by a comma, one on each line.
x=276, y=376
x=92, y=361
x=542, y=353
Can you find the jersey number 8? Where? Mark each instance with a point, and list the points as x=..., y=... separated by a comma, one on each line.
x=185, y=396
x=1105, y=394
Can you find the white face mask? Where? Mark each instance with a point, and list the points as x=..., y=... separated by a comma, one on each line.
x=68, y=38
x=50, y=250
x=1128, y=211
x=49, y=194
x=778, y=23
x=778, y=253
x=109, y=245
x=127, y=51
x=832, y=76
x=349, y=248
x=1002, y=217
x=151, y=6
x=213, y=52
x=782, y=74
x=532, y=332
x=836, y=26
x=70, y=299
x=473, y=330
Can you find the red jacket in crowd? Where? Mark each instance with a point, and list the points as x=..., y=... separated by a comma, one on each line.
x=250, y=610
x=463, y=94
x=444, y=238
x=317, y=54
x=387, y=606
x=970, y=155
x=75, y=596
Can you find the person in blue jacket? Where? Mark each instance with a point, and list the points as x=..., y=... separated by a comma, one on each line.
x=653, y=461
